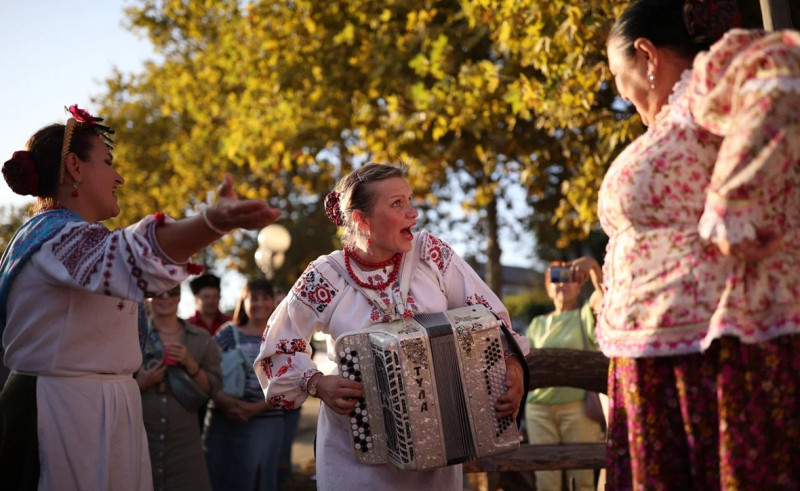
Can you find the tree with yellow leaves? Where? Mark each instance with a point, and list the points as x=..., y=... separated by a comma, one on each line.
x=287, y=96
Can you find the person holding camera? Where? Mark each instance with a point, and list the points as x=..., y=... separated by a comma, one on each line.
x=180, y=371
x=558, y=414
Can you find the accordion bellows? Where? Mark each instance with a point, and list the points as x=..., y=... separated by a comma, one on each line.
x=430, y=385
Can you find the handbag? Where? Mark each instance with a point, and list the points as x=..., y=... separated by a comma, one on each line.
x=234, y=368
x=594, y=408
x=189, y=393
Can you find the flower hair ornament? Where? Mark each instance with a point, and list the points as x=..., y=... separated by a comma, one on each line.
x=707, y=20
x=81, y=116
x=20, y=174
x=332, y=209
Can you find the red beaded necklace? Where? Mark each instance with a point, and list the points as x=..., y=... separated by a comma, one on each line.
x=348, y=253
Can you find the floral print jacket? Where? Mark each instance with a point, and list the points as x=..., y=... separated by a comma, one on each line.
x=721, y=160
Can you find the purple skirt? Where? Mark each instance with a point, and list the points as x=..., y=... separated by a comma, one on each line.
x=727, y=418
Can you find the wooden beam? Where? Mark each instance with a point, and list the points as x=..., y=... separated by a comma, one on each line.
x=544, y=458
x=554, y=367
x=776, y=14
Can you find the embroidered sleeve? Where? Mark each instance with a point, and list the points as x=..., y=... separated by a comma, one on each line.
x=463, y=286
x=313, y=290
x=747, y=89
x=284, y=364
x=437, y=253
x=125, y=263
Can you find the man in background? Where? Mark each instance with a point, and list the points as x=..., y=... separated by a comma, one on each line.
x=206, y=291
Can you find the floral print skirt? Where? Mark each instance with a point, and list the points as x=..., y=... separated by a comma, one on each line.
x=727, y=418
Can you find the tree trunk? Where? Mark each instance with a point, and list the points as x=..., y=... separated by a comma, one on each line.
x=494, y=271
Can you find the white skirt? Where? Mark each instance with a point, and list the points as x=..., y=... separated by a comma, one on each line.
x=91, y=434
x=337, y=468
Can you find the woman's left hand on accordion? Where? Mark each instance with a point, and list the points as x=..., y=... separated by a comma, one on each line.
x=508, y=403
x=338, y=393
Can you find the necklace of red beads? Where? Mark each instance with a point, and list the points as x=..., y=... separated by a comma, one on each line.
x=395, y=260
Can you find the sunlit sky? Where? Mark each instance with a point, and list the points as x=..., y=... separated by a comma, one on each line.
x=55, y=53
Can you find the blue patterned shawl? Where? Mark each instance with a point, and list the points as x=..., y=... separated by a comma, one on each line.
x=28, y=239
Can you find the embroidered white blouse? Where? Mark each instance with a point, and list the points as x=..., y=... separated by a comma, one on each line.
x=322, y=300
x=721, y=159
x=72, y=320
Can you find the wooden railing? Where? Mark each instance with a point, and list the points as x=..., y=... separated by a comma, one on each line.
x=554, y=368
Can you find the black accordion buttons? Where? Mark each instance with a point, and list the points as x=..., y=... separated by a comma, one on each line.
x=495, y=380
x=359, y=419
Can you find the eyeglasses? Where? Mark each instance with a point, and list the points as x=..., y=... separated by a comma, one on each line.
x=173, y=292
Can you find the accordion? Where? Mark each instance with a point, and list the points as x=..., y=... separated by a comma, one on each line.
x=430, y=385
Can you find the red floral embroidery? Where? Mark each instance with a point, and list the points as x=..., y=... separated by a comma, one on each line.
x=291, y=347
x=314, y=290
x=284, y=368
x=437, y=252
x=477, y=299
x=280, y=402
x=266, y=365
x=320, y=294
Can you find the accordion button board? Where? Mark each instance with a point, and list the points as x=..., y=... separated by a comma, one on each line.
x=430, y=385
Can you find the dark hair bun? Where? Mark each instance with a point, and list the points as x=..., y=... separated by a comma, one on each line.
x=20, y=174
x=707, y=20
x=332, y=208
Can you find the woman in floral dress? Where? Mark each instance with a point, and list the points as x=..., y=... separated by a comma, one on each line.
x=701, y=314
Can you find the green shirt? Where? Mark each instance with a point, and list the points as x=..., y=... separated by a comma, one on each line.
x=561, y=331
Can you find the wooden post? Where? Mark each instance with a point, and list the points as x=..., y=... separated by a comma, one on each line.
x=776, y=14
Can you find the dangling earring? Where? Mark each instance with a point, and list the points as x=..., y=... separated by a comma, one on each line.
x=652, y=79
x=75, y=189
x=369, y=239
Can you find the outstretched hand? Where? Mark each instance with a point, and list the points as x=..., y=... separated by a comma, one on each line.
x=229, y=212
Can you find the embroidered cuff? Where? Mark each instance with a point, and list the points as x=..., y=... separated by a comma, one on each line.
x=306, y=377
x=157, y=221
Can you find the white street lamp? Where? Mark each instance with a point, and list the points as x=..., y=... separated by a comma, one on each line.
x=273, y=241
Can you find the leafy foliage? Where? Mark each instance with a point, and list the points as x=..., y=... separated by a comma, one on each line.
x=11, y=217
x=477, y=97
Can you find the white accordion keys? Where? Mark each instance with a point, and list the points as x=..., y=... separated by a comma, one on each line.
x=430, y=385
